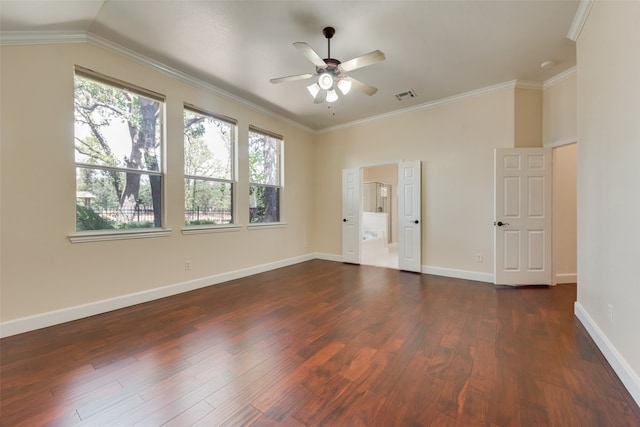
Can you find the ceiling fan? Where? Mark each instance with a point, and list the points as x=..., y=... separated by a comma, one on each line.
x=331, y=72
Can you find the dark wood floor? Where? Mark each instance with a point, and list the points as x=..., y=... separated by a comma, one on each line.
x=320, y=343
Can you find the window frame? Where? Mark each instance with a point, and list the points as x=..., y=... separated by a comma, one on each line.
x=79, y=236
x=281, y=179
x=233, y=180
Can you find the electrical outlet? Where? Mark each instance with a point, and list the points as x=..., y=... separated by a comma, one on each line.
x=187, y=265
x=610, y=312
x=478, y=257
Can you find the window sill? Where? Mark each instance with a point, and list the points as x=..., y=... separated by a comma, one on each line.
x=263, y=225
x=100, y=236
x=203, y=229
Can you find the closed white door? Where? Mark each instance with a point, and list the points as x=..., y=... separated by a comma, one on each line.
x=522, y=224
x=351, y=215
x=409, y=217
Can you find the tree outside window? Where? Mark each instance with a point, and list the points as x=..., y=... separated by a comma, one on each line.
x=118, y=155
x=265, y=157
x=209, y=168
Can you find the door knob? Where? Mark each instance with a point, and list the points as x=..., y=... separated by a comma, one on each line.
x=500, y=223
x=344, y=219
x=416, y=221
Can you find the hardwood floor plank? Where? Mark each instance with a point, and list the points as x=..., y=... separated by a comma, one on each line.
x=320, y=343
x=189, y=416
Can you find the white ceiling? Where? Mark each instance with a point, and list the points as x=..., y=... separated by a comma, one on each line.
x=437, y=49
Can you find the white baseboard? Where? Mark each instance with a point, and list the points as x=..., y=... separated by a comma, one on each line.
x=458, y=274
x=627, y=375
x=328, y=257
x=566, y=278
x=30, y=323
x=426, y=269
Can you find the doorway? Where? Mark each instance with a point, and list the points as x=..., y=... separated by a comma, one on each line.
x=404, y=204
x=379, y=213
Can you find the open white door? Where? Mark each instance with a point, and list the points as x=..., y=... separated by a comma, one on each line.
x=351, y=215
x=409, y=217
x=522, y=235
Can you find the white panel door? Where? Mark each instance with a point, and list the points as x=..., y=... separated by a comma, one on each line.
x=409, y=218
x=351, y=215
x=522, y=227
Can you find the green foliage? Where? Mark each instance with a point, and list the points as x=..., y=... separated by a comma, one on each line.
x=199, y=222
x=117, y=129
x=134, y=225
x=87, y=219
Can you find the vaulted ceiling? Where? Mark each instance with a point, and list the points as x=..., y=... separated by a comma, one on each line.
x=437, y=49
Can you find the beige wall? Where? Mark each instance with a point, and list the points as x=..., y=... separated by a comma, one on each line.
x=559, y=108
x=564, y=214
x=608, y=85
x=527, y=118
x=41, y=270
x=455, y=143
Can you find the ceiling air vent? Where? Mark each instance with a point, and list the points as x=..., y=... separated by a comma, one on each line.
x=407, y=93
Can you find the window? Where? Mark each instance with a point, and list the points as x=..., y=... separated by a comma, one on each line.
x=265, y=182
x=209, y=169
x=118, y=154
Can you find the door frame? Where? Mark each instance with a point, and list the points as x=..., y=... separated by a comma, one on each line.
x=357, y=258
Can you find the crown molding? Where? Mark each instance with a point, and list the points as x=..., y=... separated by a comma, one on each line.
x=61, y=37
x=528, y=84
x=560, y=77
x=20, y=38
x=579, y=19
x=433, y=104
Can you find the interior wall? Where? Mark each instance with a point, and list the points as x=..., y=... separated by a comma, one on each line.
x=564, y=214
x=608, y=84
x=455, y=143
x=559, y=111
x=527, y=117
x=42, y=271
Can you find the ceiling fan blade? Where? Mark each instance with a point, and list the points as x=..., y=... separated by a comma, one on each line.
x=363, y=60
x=320, y=97
x=292, y=78
x=363, y=87
x=311, y=54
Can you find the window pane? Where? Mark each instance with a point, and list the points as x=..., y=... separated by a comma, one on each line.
x=101, y=204
x=118, y=131
x=264, y=159
x=264, y=204
x=208, y=146
x=116, y=128
x=207, y=202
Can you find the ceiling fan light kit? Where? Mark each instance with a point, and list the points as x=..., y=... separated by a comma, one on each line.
x=344, y=85
x=325, y=81
x=331, y=73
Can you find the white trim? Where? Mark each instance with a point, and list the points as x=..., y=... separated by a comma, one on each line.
x=561, y=143
x=627, y=375
x=25, y=324
x=264, y=225
x=579, y=19
x=61, y=37
x=204, y=229
x=458, y=274
x=566, y=278
x=528, y=84
x=552, y=81
x=433, y=104
x=105, y=235
x=328, y=257
x=20, y=38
